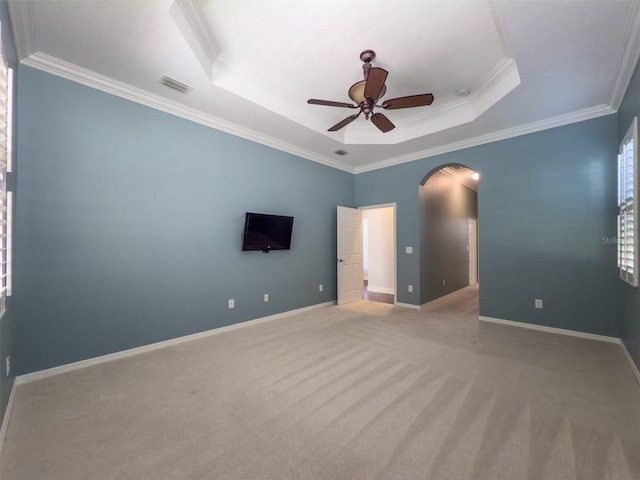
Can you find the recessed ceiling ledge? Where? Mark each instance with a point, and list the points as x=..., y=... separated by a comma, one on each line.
x=192, y=23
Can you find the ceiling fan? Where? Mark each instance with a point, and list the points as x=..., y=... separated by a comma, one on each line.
x=366, y=93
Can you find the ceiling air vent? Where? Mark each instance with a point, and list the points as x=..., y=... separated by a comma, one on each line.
x=341, y=152
x=175, y=84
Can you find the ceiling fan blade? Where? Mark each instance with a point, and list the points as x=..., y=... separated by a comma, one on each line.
x=375, y=82
x=382, y=122
x=344, y=123
x=407, y=102
x=328, y=103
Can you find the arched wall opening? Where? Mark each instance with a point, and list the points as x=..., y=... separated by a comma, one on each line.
x=448, y=199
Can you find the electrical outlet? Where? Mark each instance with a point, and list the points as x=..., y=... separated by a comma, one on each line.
x=232, y=303
x=320, y=288
x=7, y=362
x=443, y=283
x=266, y=297
x=538, y=303
x=410, y=288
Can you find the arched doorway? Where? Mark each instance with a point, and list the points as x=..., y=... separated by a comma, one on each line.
x=448, y=231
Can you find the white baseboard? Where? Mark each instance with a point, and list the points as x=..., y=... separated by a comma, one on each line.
x=70, y=367
x=408, y=305
x=559, y=331
x=632, y=364
x=7, y=415
x=373, y=288
x=571, y=333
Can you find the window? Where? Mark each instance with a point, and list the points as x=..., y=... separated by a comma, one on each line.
x=6, y=81
x=628, y=206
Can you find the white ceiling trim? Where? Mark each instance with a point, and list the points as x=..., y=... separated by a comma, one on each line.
x=502, y=31
x=574, y=117
x=627, y=60
x=92, y=79
x=190, y=21
x=502, y=80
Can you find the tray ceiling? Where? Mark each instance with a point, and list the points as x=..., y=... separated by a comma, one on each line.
x=251, y=65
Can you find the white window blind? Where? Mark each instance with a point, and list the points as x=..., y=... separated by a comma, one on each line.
x=5, y=213
x=628, y=206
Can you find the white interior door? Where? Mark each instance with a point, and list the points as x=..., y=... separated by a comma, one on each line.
x=350, y=276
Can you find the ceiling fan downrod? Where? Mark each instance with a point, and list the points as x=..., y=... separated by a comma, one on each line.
x=368, y=103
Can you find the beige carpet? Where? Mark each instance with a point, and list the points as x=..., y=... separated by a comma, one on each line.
x=363, y=391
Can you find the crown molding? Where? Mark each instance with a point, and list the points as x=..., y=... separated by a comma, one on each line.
x=106, y=84
x=560, y=120
x=627, y=60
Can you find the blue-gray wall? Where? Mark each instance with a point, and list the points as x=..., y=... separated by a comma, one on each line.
x=7, y=338
x=545, y=202
x=630, y=328
x=128, y=225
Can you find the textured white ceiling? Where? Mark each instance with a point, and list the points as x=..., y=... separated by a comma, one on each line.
x=529, y=65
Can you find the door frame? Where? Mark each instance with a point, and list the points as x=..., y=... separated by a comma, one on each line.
x=394, y=208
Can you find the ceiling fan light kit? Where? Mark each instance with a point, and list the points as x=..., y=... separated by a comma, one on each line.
x=356, y=92
x=366, y=93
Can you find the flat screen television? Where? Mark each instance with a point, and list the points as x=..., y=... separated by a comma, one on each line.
x=267, y=232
